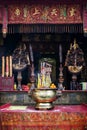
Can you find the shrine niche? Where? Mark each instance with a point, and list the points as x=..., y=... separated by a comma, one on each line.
x=49, y=62
x=44, y=46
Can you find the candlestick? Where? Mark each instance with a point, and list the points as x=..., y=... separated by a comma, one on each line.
x=28, y=59
x=7, y=66
x=31, y=54
x=3, y=66
x=32, y=70
x=10, y=59
x=60, y=53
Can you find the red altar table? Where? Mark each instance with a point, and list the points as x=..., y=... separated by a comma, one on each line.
x=73, y=117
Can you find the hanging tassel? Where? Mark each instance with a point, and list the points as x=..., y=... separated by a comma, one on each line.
x=5, y=21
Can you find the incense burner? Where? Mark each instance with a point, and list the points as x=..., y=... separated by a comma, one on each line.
x=44, y=98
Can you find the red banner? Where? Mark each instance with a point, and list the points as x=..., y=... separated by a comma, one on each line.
x=5, y=21
x=1, y=15
x=85, y=19
x=53, y=14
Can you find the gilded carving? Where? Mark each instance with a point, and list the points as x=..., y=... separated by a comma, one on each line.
x=17, y=12
x=25, y=10
x=72, y=12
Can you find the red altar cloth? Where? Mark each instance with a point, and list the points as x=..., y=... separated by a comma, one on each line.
x=73, y=117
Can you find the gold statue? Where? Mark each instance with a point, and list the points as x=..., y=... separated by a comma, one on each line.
x=71, y=46
x=75, y=46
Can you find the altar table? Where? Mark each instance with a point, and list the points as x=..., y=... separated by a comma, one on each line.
x=70, y=117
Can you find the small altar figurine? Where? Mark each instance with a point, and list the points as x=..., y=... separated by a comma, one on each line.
x=75, y=86
x=60, y=86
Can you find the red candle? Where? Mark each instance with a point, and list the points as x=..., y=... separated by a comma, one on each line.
x=7, y=66
x=10, y=66
x=3, y=66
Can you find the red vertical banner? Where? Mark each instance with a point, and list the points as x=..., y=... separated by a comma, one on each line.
x=1, y=14
x=85, y=18
x=5, y=21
